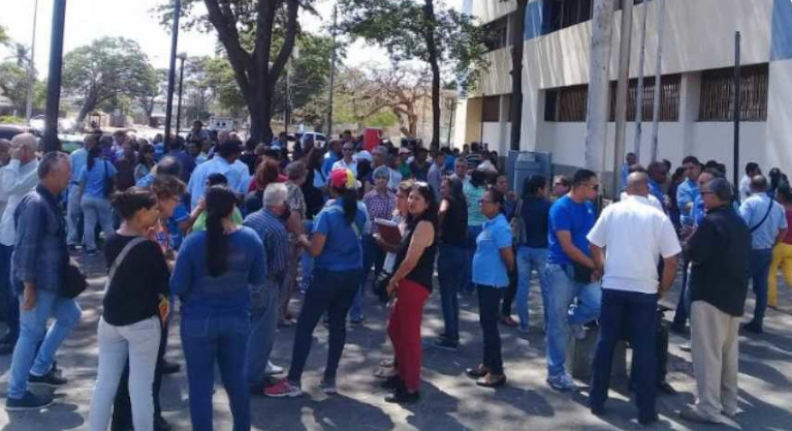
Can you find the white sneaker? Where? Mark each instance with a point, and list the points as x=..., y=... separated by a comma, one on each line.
x=273, y=369
x=563, y=382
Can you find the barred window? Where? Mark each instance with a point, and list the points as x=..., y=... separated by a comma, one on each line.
x=669, y=98
x=496, y=34
x=717, y=94
x=568, y=104
x=491, y=109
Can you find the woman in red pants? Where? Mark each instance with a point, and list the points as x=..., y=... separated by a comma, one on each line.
x=411, y=284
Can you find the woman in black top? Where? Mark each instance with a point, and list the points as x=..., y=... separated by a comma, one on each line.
x=453, y=257
x=411, y=284
x=135, y=302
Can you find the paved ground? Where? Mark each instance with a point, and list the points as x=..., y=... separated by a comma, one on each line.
x=450, y=400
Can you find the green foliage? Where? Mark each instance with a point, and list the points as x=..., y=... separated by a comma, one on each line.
x=10, y=119
x=402, y=27
x=104, y=71
x=4, y=38
x=14, y=84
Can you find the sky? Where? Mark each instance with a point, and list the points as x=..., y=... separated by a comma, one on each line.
x=87, y=20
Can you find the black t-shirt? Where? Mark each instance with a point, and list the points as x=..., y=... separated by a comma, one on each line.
x=454, y=229
x=424, y=269
x=139, y=280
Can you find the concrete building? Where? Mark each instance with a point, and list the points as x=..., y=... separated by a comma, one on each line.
x=697, y=70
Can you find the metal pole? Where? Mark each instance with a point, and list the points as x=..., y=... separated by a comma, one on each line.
x=172, y=72
x=54, y=79
x=451, y=122
x=658, y=84
x=737, y=102
x=181, y=90
x=286, y=113
x=621, y=93
x=639, y=100
x=32, y=68
x=332, y=76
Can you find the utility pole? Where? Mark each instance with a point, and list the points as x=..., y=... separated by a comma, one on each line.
x=32, y=68
x=658, y=84
x=172, y=72
x=55, y=75
x=625, y=44
x=181, y=57
x=737, y=102
x=599, y=85
x=639, y=99
x=333, y=31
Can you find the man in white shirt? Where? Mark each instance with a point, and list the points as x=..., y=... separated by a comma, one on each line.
x=751, y=170
x=348, y=161
x=222, y=163
x=17, y=179
x=625, y=244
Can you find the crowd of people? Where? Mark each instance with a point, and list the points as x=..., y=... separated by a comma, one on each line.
x=232, y=231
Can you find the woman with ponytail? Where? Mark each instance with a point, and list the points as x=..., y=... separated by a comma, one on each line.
x=336, y=245
x=214, y=273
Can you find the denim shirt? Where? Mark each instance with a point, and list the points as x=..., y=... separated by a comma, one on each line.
x=40, y=253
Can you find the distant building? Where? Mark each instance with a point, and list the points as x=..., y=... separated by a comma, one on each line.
x=697, y=71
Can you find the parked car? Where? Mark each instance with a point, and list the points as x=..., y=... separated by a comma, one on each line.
x=8, y=131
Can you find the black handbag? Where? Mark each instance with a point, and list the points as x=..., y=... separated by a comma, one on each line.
x=74, y=282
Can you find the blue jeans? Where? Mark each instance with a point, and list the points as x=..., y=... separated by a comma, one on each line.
x=96, y=210
x=472, y=233
x=33, y=330
x=221, y=340
x=264, y=323
x=760, y=267
x=9, y=298
x=451, y=276
x=306, y=260
x=563, y=290
x=529, y=260
x=683, y=303
x=372, y=255
x=331, y=293
x=635, y=315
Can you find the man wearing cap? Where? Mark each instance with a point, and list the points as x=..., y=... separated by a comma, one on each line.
x=221, y=164
x=348, y=162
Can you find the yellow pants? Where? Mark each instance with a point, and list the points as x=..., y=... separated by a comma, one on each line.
x=782, y=256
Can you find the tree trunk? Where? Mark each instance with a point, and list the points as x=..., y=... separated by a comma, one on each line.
x=515, y=113
x=429, y=18
x=88, y=106
x=599, y=85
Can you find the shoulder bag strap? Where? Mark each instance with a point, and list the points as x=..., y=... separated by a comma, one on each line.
x=120, y=258
x=767, y=214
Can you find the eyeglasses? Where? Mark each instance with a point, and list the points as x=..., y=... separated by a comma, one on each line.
x=349, y=149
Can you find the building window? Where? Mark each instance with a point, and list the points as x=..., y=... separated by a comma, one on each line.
x=717, y=94
x=496, y=34
x=566, y=13
x=669, y=98
x=491, y=109
x=566, y=105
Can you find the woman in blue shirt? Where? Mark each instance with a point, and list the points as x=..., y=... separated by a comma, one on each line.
x=493, y=261
x=96, y=184
x=534, y=214
x=214, y=273
x=336, y=247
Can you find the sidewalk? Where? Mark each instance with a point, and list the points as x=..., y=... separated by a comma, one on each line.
x=450, y=401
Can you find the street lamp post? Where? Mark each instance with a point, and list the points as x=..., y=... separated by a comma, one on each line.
x=172, y=72
x=54, y=78
x=32, y=68
x=182, y=57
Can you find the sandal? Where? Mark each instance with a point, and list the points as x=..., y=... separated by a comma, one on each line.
x=388, y=363
x=492, y=381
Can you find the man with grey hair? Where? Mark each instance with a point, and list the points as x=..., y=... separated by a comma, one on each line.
x=268, y=223
x=767, y=220
x=626, y=244
x=719, y=252
x=39, y=263
x=17, y=179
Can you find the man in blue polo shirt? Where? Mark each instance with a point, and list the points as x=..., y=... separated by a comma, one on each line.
x=658, y=174
x=569, y=274
x=767, y=221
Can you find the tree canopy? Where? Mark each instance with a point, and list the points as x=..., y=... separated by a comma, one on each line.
x=4, y=38
x=105, y=70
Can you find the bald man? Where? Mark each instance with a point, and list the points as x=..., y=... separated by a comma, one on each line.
x=17, y=179
x=626, y=243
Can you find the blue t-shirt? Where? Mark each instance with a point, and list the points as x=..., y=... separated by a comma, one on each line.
x=180, y=214
x=329, y=159
x=94, y=178
x=342, y=250
x=578, y=219
x=489, y=269
x=229, y=294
